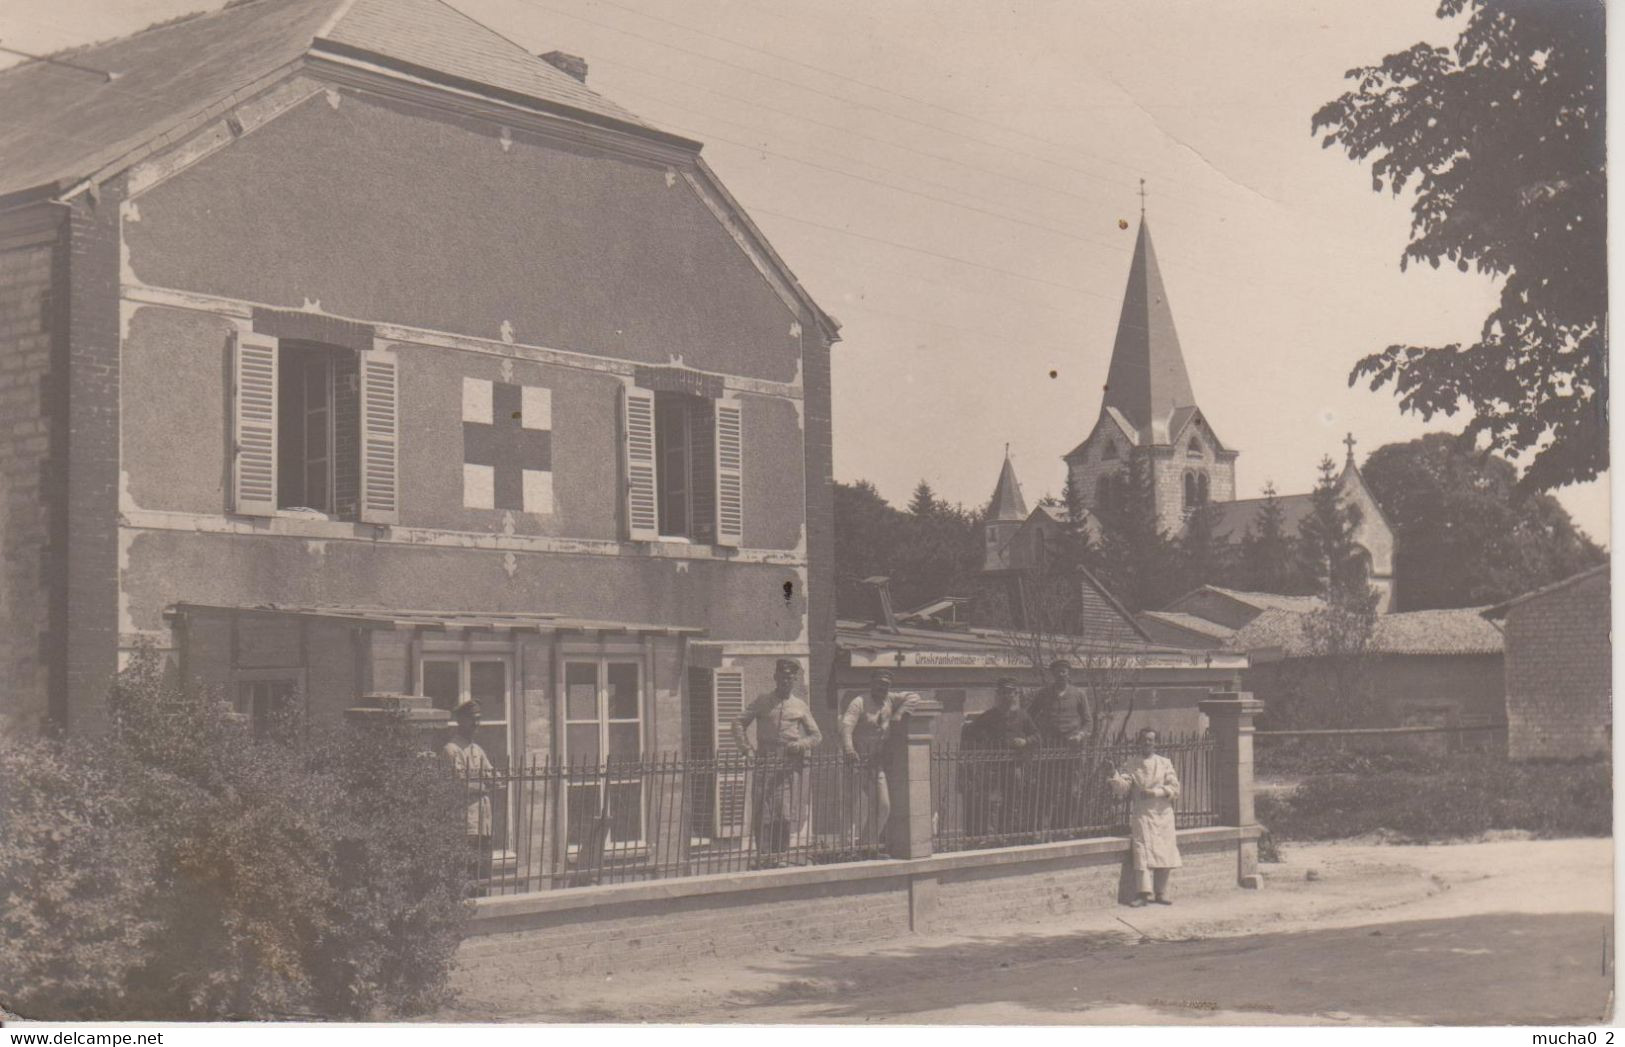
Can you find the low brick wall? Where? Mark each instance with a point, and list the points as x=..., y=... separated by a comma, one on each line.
x=628, y=927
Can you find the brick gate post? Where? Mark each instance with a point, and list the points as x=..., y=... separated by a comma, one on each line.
x=908, y=779
x=1230, y=718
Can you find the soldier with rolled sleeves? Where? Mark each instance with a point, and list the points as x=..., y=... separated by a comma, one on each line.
x=865, y=723
x=785, y=733
x=1065, y=718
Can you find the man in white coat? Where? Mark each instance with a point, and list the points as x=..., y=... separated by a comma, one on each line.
x=1152, y=787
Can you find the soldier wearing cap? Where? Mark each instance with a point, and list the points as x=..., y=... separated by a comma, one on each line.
x=785, y=733
x=472, y=767
x=865, y=724
x=1063, y=712
x=1065, y=717
x=998, y=792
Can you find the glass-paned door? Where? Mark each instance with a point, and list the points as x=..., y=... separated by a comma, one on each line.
x=447, y=680
x=603, y=728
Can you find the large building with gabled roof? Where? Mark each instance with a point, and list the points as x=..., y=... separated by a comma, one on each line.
x=350, y=347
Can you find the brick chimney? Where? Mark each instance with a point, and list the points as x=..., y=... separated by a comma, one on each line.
x=574, y=65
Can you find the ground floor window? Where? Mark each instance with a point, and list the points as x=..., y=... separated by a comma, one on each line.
x=268, y=697
x=603, y=727
x=449, y=679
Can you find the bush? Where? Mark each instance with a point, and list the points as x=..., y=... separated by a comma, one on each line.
x=1430, y=798
x=76, y=877
x=305, y=873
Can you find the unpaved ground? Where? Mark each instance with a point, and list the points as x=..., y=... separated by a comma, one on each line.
x=1503, y=932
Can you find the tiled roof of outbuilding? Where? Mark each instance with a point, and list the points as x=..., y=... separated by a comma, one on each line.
x=1446, y=631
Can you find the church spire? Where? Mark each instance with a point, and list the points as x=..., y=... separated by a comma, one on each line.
x=1147, y=378
x=1007, y=501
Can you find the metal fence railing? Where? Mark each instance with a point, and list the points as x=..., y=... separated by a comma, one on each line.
x=549, y=824
x=985, y=798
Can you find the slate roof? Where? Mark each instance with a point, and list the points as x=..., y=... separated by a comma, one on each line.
x=62, y=125
x=1188, y=622
x=444, y=620
x=1262, y=601
x=1232, y=520
x=1007, y=501
x=1449, y=631
x=1147, y=380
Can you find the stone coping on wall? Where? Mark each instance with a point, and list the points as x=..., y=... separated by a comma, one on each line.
x=495, y=915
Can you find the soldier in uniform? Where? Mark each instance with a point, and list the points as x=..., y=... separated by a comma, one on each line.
x=785, y=733
x=998, y=791
x=1065, y=717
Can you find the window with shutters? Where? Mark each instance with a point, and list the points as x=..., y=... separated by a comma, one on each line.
x=685, y=468
x=315, y=430
x=318, y=429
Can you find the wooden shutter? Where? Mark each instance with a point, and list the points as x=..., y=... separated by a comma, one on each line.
x=254, y=417
x=730, y=474
x=380, y=438
x=642, y=509
x=729, y=688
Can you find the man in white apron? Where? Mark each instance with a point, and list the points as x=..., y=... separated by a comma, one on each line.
x=1152, y=787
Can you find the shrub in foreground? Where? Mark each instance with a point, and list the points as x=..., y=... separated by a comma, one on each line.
x=307, y=872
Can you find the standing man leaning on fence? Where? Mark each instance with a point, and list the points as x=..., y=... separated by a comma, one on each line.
x=865, y=724
x=998, y=793
x=475, y=770
x=785, y=733
x=1064, y=716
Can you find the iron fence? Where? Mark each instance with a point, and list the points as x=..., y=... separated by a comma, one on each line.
x=544, y=824
x=985, y=798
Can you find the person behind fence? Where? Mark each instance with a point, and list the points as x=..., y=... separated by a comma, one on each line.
x=475, y=770
x=1152, y=787
x=865, y=724
x=998, y=792
x=785, y=733
x=1065, y=717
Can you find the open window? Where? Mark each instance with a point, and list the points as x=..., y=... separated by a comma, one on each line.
x=684, y=468
x=315, y=430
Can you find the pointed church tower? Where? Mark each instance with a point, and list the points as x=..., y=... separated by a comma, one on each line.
x=1149, y=410
x=1004, y=518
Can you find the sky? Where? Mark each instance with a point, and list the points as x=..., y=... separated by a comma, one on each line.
x=951, y=180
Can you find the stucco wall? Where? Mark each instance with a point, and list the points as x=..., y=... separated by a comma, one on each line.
x=180, y=461
x=380, y=210
x=733, y=601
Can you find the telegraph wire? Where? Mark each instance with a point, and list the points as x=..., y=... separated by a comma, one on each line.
x=875, y=87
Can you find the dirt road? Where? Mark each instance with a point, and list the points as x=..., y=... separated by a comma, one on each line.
x=1485, y=933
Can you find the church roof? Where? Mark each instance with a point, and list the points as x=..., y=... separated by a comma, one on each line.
x=63, y=125
x=1147, y=380
x=1007, y=501
x=1232, y=520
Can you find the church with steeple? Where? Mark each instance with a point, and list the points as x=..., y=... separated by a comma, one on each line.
x=1149, y=411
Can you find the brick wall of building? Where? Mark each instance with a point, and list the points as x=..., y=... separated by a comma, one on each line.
x=1559, y=678
x=92, y=458
x=820, y=478
x=31, y=322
